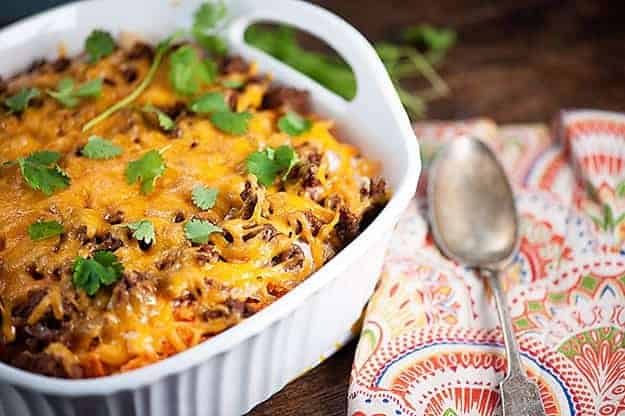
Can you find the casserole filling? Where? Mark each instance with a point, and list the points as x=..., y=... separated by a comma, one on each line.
x=133, y=237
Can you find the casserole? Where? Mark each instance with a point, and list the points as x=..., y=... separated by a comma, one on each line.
x=235, y=370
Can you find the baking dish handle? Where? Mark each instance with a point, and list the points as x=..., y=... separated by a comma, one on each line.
x=375, y=92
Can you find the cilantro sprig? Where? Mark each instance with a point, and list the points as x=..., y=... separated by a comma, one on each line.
x=293, y=124
x=103, y=269
x=146, y=170
x=187, y=72
x=198, y=231
x=42, y=230
x=164, y=121
x=99, y=44
x=41, y=172
x=209, y=103
x=204, y=198
x=99, y=148
x=69, y=95
x=268, y=163
x=162, y=48
x=206, y=21
x=231, y=122
x=143, y=230
x=18, y=102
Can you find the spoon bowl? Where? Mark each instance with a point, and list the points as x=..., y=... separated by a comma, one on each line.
x=472, y=209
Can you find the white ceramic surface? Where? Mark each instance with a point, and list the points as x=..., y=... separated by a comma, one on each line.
x=245, y=365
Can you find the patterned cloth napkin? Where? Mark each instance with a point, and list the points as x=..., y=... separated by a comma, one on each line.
x=430, y=343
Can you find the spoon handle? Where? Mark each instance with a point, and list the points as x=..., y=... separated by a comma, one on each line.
x=512, y=349
x=520, y=395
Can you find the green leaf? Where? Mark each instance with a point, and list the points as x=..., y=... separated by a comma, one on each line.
x=206, y=20
x=266, y=164
x=198, y=231
x=209, y=103
x=18, y=102
x=164, y=120
x=143, y=231
x=232, y=83
x=42, y=230
x=69, y=96
x=187, y=72
x=620, y=189
x=204, y=198
x=231, y=123
x=99, y=148
x=293, y=124
x=161, y=49
x=146, y=170
x=438, y=39
x=99, y=44
x=41, y=173
x=102, y=270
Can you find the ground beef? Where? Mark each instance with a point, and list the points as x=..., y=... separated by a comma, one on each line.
x=206, y=254
x=233, y=65
x=267, y=232
x=347, y=227
x=114, y=217
x=291, y=259
x=141, y=50
x=129, y=73
x=22, y=310
x=287, y=98
x=61, y=64
x=46, y=364
x=249, y=198
x=314, y=223
x=107, y=242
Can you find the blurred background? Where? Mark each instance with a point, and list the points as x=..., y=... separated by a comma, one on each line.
x=512, y=60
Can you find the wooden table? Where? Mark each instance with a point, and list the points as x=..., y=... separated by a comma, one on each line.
x=516, y=61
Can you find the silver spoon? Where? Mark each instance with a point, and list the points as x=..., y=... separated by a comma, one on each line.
x=474, y=221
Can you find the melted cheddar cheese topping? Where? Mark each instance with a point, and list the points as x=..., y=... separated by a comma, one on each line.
x=173, y=294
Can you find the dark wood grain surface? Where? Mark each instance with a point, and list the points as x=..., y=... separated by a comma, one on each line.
x=516, y=61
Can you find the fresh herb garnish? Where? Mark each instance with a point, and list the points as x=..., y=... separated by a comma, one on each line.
x=143, y=231
x=41, y=172
x=230, y=122
x=99, y=148
x=164, y=120
x=209, y=103
x=198, y=231
x=436, y=40
x=42, y=230
x=69, y=96
x=146, y=170
x=232, y=83
x=204, y=198
x=18, y=102
x=293, y=124
x=268, y=163
x=187, y=72
x=161, y=50
x=205, y=27
x=99, y=44
x=102, y=270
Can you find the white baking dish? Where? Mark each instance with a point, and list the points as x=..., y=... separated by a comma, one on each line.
x=234, y=371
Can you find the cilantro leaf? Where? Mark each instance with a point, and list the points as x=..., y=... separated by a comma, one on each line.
x=232, y=83
x=99, y=44
x=102, y=270
x=143, y=231
x=230, y=122
x=164, y=120
x=198, y=231
x=293, y=124
x=161, y=49
x=146, y=170
x=99, y=148
x=18, y=102
x=204, y=198
x=266, y=164
x=37, y=171
x=205, y=22
x=42, y=230
x=209, y=103
x=438, y=39
x=69, y=96
x=187, y=72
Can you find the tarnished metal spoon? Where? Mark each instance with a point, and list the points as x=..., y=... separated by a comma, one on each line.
x=474, y=221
